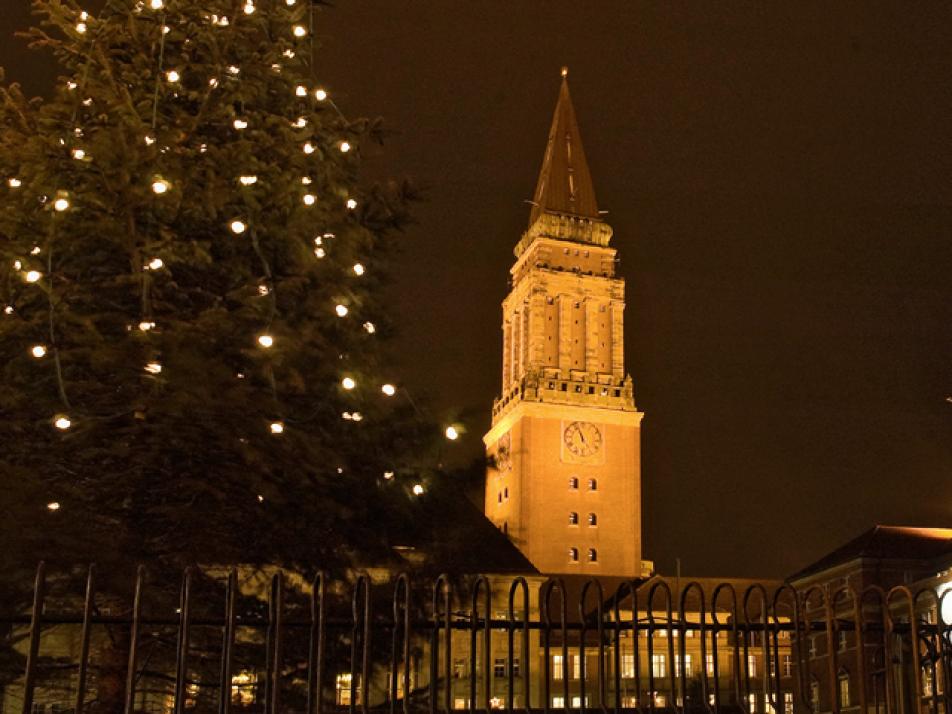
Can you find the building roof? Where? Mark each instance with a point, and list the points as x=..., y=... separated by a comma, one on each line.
x=565, y=183
x=901, y=543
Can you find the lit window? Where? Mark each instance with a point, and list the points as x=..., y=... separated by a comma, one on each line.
x=459, y=703
x=788, y=703
x=658, y=668
x=842, y=641
x=558, y=668
x=927, y=689
x=558, y=702
x=688, y=670
x=628, y=665
x=592, y=485
x=573, y=555
x=459, y=668
x=573, y=484
x=576, y=663
x=499, y=667
x=843, y=687
x=343, y=687
x=787, y=665
x=815, y=695
x=243, y=688
x=752, y=703
x=515, y=665
x=592, y=519
x=573, y=518
x=709, y=664
x=752, y=665
x=592, y=555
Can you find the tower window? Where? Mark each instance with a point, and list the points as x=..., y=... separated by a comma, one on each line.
x=592, y=555
x=573, y=555
x=592, y=485
x=592, y=519
x=505, y=492
x=573, y=484
x=573, y=518
x=499, y=497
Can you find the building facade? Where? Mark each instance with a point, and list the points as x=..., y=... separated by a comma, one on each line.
x=565, y=477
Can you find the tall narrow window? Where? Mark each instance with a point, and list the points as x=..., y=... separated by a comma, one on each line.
x=592, y=555
x=573, y=484
x=573, y=555
x=558, y=667
x=592, y=519
x=752, y=665
x=843, y=688
x=658, y=668
x=787, y=665
x=592, y=485
x=573, y=518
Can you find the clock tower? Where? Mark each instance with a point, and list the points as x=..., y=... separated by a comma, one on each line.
x=564, y=480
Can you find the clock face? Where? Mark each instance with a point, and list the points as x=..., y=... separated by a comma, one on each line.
x=582, y=438
x=504, y=452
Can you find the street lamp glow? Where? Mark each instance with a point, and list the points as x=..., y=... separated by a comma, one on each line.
x=320, y=95
x=160, y=186
x=388, y=389
x=417, y=489
x=452, y=433
x=265, y=341
x=53, y=506
x=238, y=227
x=38, y=351
x=358, y=269
x=277, y=427
x=348, y=383
x=62, y=422
x=341, y=310
x=60, y=204
x=33, y=276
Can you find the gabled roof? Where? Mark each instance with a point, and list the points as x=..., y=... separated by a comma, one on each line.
x=565, y=183
x=899, y=543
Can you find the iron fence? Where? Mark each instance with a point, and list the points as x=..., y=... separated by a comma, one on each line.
x=476, y=644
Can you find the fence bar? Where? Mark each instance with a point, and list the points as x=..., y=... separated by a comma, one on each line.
x=134, y=642
x=36, y=615
x=315, y=650
x=84, y=642
x=227, y=644
x=181, y=649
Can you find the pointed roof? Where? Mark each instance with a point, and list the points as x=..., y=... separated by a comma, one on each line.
x=565, y=184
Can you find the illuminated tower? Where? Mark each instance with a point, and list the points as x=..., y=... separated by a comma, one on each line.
x=565, y=476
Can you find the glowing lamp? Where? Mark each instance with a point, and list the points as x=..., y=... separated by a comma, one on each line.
x=62, y=422
x=173, y=76
x=452, y=433
x=388, y=475
x=265, y=341
x=308, y=148
x=344, y=147
x=388, y=389
x=156, y=264
x=351, y=204
x=14, y=183
x=309, y=199
x=320, y=252
x=248, y=180
x=299, y=31
x=358, y=269
x=146, y=325
x=277, y=427
x=60, y=204
x=81, y=27
x=237, y=227
x=240, y=124
x=33, y=276
x=370, y=327
x=320, y=95
x=79, y=154
x=341, y=310
x=348, y=383
x=53, y=506
x=160, y=186
x=156, y=4
x=38, y=351
x=300, y=91
x=417, y=489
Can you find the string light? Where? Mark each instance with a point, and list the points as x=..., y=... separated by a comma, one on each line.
x=33, y=276
x=348, y=383
x=341, y=310
x=166, y=29
x=452, y=433
x=320, y=94
x=370, y=327
x=263, y=290
x=71, y=85
x=79, y=154
x=320, y=252
x=300, y=123
x=60, y=204
x=155, y=264
x=146, y=325
x=348, y=416
x=14, y=183
x=290, y=3
x=249, y=8
x=213, y=82
x=237, y=227
x=260, y=498
x=160, y=186
x=299, y=31
x=35, y=250
x=84, y=15
x=351, y=204
x=153, y=368
x=8, y=310
x=17, y=264
x=232, y=69
x=289, y=54
x=358, y=269
x=306, y=180
x=388, y=389
x=38, y=351
x=53, y=506
x=173, y=76
x=318, y=240
x=357, y=416
x=156, y=4
x=81, y=27
x=344, y=147
x=309, y=199
x=62, y=422
x=265, y=341
x=388, y=475
x=248, y=180
x=300, y=91
x=308, y=148
x=149, y=140
x=417, y=490
x=240, y=124
x=277, y=427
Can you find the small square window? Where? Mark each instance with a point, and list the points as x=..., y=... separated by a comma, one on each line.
x=573, y=518
x=573, y=484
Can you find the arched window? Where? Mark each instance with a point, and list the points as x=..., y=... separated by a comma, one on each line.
x=573, y=518
x=843, y=688
x=573, y=484
x=592, y=519
x=592, y=485
x=592, y=555
x=573, y=555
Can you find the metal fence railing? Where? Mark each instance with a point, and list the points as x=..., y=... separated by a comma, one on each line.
x=233, y=641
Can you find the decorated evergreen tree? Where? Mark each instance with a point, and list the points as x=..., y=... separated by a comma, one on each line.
x=190, y=304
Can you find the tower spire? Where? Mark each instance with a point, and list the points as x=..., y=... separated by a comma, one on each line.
x=565, y=183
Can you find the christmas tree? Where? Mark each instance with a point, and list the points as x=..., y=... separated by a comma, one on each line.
x=190, y=299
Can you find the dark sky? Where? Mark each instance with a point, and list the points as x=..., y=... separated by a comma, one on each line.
x=779, y=179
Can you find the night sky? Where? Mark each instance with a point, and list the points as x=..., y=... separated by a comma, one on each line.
x=779, y=179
